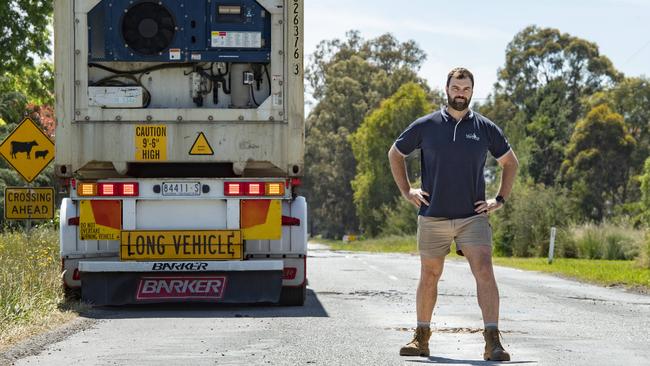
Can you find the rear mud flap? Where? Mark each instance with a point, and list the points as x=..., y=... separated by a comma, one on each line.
x=124, y=288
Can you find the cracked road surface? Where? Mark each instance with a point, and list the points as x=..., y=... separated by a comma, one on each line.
x=360, y=310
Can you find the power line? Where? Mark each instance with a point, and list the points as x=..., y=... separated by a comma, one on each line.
x=637, y=52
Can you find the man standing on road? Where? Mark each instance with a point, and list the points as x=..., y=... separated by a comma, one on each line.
x=454, y=143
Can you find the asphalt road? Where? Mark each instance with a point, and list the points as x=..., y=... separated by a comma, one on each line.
x=360, y=310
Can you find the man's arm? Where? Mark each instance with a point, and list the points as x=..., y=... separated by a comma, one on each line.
x=509, y=165
x=398, y=168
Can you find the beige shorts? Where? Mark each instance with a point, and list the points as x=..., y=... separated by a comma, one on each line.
x=435, y=234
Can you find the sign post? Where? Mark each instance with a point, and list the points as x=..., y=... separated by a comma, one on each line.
x=28, y=222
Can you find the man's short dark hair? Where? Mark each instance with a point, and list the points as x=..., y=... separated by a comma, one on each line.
x=460, y=73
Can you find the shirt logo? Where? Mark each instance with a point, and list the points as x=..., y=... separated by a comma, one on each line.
x=472, y=136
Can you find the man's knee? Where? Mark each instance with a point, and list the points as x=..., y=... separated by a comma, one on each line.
x=480, y=260
x=484, y=272
x=431, y=271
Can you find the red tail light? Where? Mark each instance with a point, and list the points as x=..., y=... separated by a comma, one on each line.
x=289, y=273
x=255, y=189
x=107, y=189
x=290, y=221
x=233, y=189
x=130, y=189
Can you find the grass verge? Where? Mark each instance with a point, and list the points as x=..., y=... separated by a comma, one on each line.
x=389, y=244
x=602, y=272
x=31, y=297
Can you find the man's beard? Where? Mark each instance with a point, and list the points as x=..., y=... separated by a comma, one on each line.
x=459, y=104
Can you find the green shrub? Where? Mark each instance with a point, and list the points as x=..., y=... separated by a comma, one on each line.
x=614, y=247
x=399, y=219
x=644, y=181
x=523, y=227
x=565, y=244
x=589, y=243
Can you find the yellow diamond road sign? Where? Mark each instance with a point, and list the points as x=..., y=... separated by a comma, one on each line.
x=28, y=149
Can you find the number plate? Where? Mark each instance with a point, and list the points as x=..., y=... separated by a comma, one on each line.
x=181, y=189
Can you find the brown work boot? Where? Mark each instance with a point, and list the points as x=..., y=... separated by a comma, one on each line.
x=493, y=349
x=419, y=346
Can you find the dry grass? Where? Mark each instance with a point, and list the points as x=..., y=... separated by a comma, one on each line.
x=31, y=297
x=40, y=324
x=606, y=241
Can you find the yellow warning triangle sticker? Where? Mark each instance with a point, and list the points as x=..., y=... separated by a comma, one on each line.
x=201, y=146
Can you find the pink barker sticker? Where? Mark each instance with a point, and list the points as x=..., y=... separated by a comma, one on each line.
x=181, y=287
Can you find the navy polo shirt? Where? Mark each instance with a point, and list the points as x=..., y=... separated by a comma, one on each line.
x=453, y=155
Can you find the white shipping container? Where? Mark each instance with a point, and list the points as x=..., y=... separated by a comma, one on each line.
x=181, y=127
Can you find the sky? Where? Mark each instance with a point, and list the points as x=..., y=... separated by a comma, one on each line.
x=475, y=34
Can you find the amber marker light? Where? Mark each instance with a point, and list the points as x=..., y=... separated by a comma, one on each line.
x=274, y=189
x=87, y=189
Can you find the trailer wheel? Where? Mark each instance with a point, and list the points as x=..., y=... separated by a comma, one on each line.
x=293, y=296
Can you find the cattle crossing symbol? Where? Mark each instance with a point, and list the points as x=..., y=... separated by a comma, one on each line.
x=28, y=149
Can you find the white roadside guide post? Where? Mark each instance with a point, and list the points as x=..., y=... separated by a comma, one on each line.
x=551, y=247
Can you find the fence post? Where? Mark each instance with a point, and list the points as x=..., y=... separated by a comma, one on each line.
x=551, y=247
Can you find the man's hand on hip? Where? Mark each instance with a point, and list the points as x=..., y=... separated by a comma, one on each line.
x=487, y=206
x=416, y=197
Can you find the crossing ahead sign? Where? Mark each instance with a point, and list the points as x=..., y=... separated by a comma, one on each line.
x=29, y=203
x=28, y=149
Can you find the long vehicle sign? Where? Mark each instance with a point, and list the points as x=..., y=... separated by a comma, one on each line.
x=181, y=245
